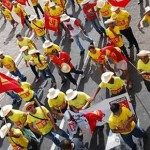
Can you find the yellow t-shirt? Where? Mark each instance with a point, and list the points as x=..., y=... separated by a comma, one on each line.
x=56, y=12
x=116, y=87
x=147, y=19
x=7, y=14
x=144, y=67
x=8, y=63
x=79, y=1
x=44, y=126
x=39, y=27
x=34, y=2
x=18, y=118
x=27, y=93
x=26, y=57
x=115, y=121
x=80, y=101
x=118, y=41
x=106, y=10
x=40, y=66
x=58, y=103
x=96, y=55
x=18, y=10
x=121, y=19
x=26, y=42
x=50, y=49
x=46, y=9
x=22, y=141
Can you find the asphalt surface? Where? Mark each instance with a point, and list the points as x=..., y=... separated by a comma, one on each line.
x=92, y=79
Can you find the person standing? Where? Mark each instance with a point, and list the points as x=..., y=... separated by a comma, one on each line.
x=123, y=19
x=122, y=121
x=7, y=62
x=75, y=30
x=143, y=65
x=90, y=14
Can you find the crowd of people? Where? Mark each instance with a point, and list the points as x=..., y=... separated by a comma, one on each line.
x=35, y=120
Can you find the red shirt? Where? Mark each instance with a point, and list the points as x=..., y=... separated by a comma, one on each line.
x=89, y=11
x=63, y=58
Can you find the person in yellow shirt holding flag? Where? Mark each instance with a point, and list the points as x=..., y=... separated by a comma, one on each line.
x=61, y=3
x=41, y=122
x=9, y=17
x=46, y=7
x=36, y=5
x=19, y=10
x=114, y=36
x=7, y=62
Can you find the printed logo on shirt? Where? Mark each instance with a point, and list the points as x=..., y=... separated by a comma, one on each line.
x=41, y=124
x=105, y=13
x=120, y=23
x=8, y=66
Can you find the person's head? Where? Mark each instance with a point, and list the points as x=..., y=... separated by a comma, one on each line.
x=71, y=95
x=52, y=5
x=144, y=56
x=110, y=23
x=92, y=49
x=14, y=3
x=46, y=2
x=116, y=109
x=147, y=11
x=1, y=55
x=24, y=50
x=66, y=144
x=3, y=8
x=85, y=3
x=53, y=93
x=107, y=77
x=29, y=107
x=34, y=53
x=55, y=52
x=5, y=130
x=19, y=37
x=47, y=44
x=115, y=9
x=6, y=111
x=65, y=18
x=33, y=18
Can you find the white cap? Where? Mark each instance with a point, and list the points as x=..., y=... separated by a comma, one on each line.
x=4, y=130
x=70, y=94
x=5, y=110
x=52, y=4
x=108, y=21
x=27, y=105
x=1, y=52
x=114, y=8
x=47, y=44
x=32, y=17
x=65, y=68
x=52, y=93
x=147, y=9
x=106, y=76
x=101, y=3
x=143, y=53
x=84, y=2
x=46, y=1
x=23, y=48
x=64, y=17
x=33, y=51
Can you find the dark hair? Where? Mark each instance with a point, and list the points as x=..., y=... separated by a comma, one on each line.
x=91, y=47
x=114, y=107
x=65, y=144
x=18, y=35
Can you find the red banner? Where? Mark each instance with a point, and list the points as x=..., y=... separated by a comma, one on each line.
x=22, y=2
x=8, y=84
x=22, y=18
x=7, y=4
x=119, y=3
x=52, y=23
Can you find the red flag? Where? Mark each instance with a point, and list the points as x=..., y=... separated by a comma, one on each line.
x=7, y=4
x=8, y=84
x=93, y=117
x=119, y=3
x=52, y=23
x=22, y=2
x=22, y=18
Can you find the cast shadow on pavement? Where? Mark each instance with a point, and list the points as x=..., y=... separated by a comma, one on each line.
x=142, y=10
x=147, y=3
x=146, y=139
x=3, y=26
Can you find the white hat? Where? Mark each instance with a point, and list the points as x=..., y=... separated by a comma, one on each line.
x=143, y=53
x=114, y=8
x=23, y=48
x=147, y=9
x=46, y=1
x=47, y=44
x=1, y=52
x=64, y=17
x=101, y=3
x=32, y=17
x=52, y=93
x=109, y=21
x=5, y=110
x=14, y=2
x=52, y=4
x=106, y=76
x=65, y=68
x=33, y=51
x=27, y=105
x=4, y=130
x=70, y=94
x=84, y=2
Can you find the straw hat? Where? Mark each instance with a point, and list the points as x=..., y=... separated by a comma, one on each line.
x=14, y=2
x=84, y=2
x=70, y=94
x=4, y=130
x=46, y=1
x=33, y=51
x=5, y=110
x=65, y=68
x=108, y=21
x=101, y=3
x=114, y=8
x=64, y=17
x=106, y=76
x=52, y=93
x=23, y=48
x=147, y=9
x=1, y=52
x=47, y=44
x=27, y=105
x=143, y=53
x=52, y=4
x=32, y=17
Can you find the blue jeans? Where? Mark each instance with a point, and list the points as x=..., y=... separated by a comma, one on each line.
x=137, y=132
x=53, y=137
x=14, y=96
x=17, y=73
x=97, y=26
x=84, y=37
x=46, y=73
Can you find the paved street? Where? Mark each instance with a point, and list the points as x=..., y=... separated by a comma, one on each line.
x=141, y=100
